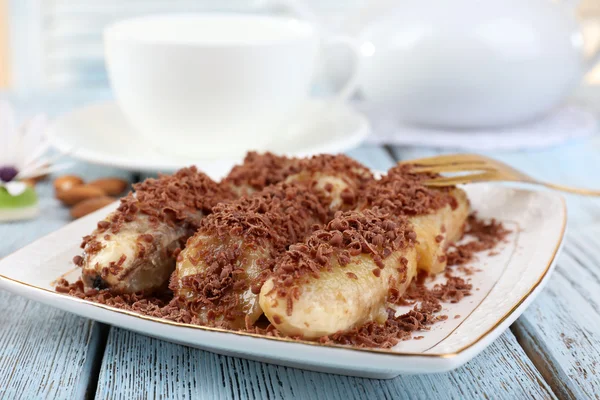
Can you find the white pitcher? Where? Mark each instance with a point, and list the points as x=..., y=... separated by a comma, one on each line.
x=470, y=63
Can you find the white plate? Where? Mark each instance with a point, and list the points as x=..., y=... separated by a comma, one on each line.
x=100, y=134
x=505, y=286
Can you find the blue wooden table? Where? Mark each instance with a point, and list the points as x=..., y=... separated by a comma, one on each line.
x=552, y=351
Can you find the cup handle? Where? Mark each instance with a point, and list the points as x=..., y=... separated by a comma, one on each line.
x=345, y=93
x=311, y=118
x=300, y=9
x=318, y=115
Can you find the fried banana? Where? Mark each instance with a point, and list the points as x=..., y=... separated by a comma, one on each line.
x=134, y=248
x=438, y=215
x=218, y=272
x=437, y=230
x=342, y=276
x=326, y=285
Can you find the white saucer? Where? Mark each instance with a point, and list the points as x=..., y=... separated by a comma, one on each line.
x=100, y=134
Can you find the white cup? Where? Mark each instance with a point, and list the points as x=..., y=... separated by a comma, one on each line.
x=213, y=85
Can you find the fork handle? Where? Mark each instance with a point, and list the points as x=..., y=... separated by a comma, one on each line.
x=580, y=191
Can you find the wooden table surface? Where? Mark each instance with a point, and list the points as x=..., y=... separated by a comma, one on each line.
x=552, y=351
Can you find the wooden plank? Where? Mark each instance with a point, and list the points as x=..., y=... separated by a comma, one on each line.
x=46, y=353
x=139, y=367
x=560, y=330
x=135, y=366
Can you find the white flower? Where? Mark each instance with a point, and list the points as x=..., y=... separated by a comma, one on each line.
x=22, y=150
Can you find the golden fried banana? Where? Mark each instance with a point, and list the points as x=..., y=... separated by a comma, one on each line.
x=309, y=294
x=344, y=275
x=437, y=230
x=438, y=215
x=134, y=248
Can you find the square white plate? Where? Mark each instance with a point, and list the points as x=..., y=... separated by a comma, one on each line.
x=502, y=289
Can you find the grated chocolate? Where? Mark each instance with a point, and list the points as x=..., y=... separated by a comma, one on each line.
x=402, y=192
x=267, y=222
x=486, y=236
x=259, y=171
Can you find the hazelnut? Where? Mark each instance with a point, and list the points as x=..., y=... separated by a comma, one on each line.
x=88, y=206
x=111, y=186
x=79, y=193
x=66, y=182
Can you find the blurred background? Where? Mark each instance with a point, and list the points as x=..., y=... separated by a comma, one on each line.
x=58, y=43
x=48, y=44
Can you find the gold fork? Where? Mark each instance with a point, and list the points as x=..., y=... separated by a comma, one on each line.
x=484, y=169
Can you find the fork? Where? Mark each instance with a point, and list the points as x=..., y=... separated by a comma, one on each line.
x=482, y=169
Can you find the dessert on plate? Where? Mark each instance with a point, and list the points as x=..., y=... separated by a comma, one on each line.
x=313, y=249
